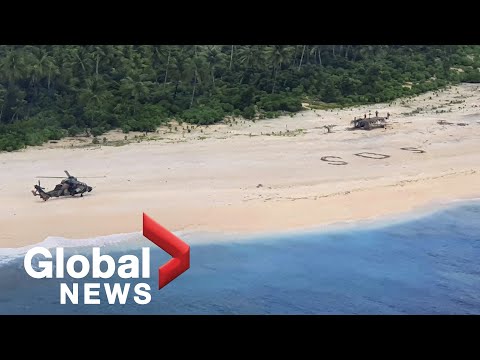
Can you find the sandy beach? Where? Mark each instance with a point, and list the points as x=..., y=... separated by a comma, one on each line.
x=249, y=176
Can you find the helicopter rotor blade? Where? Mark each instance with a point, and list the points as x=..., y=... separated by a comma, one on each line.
x=63, y=177
x=92, y=177
x=50, y=177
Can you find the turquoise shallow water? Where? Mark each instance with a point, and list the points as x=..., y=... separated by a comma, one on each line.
x=429, y=265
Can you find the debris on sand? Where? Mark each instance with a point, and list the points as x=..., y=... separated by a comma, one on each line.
x=444, y=122
x=413, y=149
x=329, y=127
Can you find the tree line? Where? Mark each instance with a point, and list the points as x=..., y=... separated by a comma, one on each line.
x=51, y=91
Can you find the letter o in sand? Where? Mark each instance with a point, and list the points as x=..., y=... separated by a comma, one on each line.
x=333, y=162
x=370, y=155
x=412, y=149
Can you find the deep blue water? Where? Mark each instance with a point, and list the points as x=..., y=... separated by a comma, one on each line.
x=426, y=266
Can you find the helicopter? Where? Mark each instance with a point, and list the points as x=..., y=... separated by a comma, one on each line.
x=69, y=186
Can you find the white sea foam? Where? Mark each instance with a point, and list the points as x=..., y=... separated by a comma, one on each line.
x=9, y=254
x=123, y=241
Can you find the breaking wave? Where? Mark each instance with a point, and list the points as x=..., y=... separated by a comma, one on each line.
x=114, y=242
x=9, y=254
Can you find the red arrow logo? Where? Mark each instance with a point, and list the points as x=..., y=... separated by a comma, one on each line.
x=164, y=239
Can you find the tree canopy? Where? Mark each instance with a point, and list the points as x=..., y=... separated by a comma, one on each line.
x=51, y=91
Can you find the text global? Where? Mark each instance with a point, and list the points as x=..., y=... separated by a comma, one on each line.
x=127, y=267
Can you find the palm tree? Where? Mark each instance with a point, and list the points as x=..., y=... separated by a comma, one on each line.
x=214, y=58
x=195, y=80
x=316, y=51
x=278, y=55
x=231, y=58
x=175, y=71
x=98, y=53
x=193, y=70
x=346, y=51
x=93, y=93
x=37, y=69
x=301, y=58
x=52, y=70
x=163, y=54
x=82, y=57
x=3, y=101
x=13, y=67
x=133, y=87
x=250, y=57
x=365, y=51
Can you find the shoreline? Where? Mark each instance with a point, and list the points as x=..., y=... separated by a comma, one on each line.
x=207, y=237
x=254, y=178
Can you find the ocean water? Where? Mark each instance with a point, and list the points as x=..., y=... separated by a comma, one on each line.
x=425, y=265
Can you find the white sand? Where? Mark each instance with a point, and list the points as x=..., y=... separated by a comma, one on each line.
x=208, y=180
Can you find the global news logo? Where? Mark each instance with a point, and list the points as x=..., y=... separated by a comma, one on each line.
x=128, y=266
